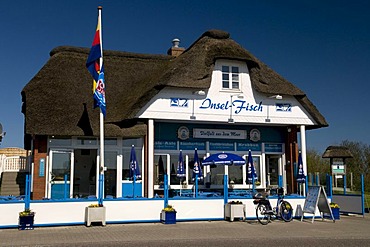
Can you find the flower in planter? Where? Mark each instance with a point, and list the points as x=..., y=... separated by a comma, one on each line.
x=26, y=212
x=334, y=205
x=95, y=205
x=169, y=208
x=235, y=202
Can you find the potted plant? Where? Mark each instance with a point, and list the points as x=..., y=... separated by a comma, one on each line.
x=168, y=215
x=234, y=209
x=335, y=210
x=95, y=213
x=26, y=219
x=184, y=184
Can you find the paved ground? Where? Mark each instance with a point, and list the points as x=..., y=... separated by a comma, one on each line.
x=348, y=231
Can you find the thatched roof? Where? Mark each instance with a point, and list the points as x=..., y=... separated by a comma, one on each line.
x=337, y=152
x=59, y=98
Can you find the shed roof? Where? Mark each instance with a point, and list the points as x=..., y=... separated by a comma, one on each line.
x=337, y=152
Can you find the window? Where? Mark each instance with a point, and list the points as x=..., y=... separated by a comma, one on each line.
x=230, y=77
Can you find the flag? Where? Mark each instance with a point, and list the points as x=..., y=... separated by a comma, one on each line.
x=95, y=66
x=251, y=173
x=301, y=178
x=197, y=168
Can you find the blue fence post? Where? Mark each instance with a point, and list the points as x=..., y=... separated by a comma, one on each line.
x=196, y=185
x=306, y=188
x=280, y=181
x=329, y=185
x=165, y=190
x=101, y=186
x=226, y=192
x=133, y=187
x=27, y=193
x=317, y=179
x=363, y=194
x=344, y=184
x=65, y=186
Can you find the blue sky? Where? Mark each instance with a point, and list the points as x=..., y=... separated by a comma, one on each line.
x=321, y=46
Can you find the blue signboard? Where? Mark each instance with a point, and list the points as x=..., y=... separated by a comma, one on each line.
x=192, y=145
x=42, y=168
x=165, y=145
x=273, y=148
x=248, y=146
x=222, y=146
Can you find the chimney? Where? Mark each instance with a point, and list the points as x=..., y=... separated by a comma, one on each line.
x=175, y=50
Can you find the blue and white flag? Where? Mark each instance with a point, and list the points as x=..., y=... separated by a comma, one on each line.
x=301, y=178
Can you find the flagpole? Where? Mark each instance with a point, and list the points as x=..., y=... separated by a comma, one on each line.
x=101, y=175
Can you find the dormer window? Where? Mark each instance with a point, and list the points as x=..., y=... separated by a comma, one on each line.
x=230, y=77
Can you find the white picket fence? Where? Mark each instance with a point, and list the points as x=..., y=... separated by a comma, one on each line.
x=13, y=164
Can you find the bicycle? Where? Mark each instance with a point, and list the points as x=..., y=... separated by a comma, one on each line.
x=265, y=213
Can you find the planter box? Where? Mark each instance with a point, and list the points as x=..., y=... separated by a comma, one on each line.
x=25, y=222
x=335, y=212
x=233, y=211
x=95, y=215
x=168, y=217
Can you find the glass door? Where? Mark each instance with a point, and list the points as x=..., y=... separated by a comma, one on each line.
x=272, y=170
x=61, y=174
x=110, y=175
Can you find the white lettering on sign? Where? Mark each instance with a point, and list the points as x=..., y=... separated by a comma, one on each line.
x=219, y=133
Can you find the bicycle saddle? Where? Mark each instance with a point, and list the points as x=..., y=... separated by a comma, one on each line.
x=259, y=196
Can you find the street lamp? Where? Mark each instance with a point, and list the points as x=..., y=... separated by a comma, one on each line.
x=277, y=97
x=199, y=93
x=240, y=96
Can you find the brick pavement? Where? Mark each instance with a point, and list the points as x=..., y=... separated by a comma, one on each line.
x=157, y=234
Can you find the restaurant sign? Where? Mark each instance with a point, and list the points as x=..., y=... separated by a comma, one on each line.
x=219, y=134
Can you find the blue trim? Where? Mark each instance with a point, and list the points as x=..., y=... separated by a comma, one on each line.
x=348, y=195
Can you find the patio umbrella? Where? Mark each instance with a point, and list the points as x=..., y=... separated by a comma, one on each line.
x=180, y=167
x=134, y=169
x=223, y=159
x=301, y=178
x=180, y=173
x=197, y=171
x=251, y=174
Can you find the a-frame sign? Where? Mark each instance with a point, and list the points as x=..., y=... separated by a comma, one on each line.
x=316, y=198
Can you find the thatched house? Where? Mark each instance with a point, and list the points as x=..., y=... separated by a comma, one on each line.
x=161, y=104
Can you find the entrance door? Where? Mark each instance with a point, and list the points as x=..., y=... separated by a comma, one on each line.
x=110, y=175
x=272, y=170
x=85, y=172
x=61, y=174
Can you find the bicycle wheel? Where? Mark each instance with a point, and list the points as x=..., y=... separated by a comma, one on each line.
x=262, y=217
x=286, y=211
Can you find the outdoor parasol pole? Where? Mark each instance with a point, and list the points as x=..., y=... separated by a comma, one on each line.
x=196, y=185
x=101, y=169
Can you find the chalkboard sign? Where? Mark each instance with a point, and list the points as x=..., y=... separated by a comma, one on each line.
x=316, y=197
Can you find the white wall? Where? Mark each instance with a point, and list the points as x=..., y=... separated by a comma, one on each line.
x=160, y=106
x=50, y=213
